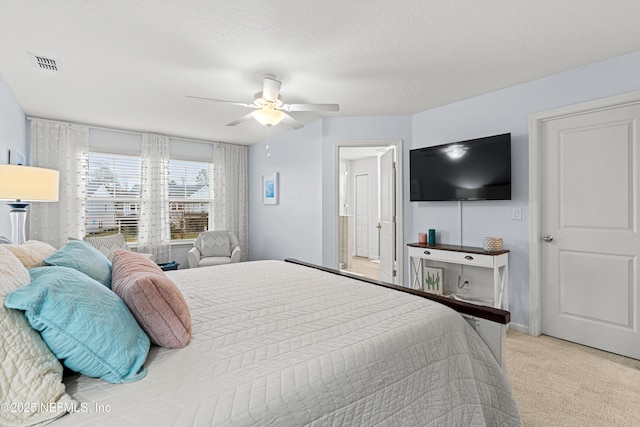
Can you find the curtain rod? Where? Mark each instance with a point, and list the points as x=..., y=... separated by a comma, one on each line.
x=138, y=132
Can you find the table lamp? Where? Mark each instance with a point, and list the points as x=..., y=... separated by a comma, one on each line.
x=24, y=184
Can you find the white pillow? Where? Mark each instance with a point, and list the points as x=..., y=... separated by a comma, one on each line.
x=32, y=252
x=12, y=273
x=29, y=373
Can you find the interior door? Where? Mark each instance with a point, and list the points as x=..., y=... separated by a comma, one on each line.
x=589, y=226
x=362, y=215
x=387, y=217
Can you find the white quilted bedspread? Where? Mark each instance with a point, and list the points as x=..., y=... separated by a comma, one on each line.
x=276, y=344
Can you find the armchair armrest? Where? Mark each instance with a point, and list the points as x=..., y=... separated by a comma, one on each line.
x=235, y=254
x=193, y=257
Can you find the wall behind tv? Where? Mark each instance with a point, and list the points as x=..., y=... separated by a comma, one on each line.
x=13, y=126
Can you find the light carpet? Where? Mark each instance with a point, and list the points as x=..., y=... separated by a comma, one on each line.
x=558, y=383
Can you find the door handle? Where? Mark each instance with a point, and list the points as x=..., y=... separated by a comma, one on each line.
x=547, y=238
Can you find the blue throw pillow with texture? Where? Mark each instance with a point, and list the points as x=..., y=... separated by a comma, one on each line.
x=81, y=256
x=85, y=325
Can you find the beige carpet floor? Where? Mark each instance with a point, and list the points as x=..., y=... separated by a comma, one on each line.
x=558, y=383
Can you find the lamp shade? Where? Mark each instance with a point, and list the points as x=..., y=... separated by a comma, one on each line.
x=268, y=116
x=28, y=183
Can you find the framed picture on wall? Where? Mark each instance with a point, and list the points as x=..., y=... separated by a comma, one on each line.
x=270, y=188
x=433, y=278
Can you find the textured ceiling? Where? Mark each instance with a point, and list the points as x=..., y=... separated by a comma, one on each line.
x=130, y=64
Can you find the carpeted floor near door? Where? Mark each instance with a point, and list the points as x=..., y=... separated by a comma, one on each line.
x=558, y=383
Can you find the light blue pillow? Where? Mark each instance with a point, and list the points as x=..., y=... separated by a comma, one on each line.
x=83, y=257
x=84, y=324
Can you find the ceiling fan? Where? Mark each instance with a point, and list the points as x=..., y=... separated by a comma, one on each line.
x=269, y=110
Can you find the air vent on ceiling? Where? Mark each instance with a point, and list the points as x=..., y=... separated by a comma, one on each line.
x=45, y=63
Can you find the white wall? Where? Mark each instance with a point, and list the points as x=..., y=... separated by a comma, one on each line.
x=308, y=159
x=292, y=228
x=13, y=128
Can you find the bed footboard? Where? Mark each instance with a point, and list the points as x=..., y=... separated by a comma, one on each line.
x=490, y=323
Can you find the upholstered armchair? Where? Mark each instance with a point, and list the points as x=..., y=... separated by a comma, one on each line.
x=214, y=248
x=108, y=245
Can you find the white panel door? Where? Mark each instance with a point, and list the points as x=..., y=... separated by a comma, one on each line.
x=589, y=226
x=387, y=217
x=362, y=215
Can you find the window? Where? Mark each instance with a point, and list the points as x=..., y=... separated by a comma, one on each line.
x=113, y=195
x=189, y=198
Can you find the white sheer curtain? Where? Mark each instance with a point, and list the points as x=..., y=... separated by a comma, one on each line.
x=230, y=193
x=154, y=234
x=63, y=147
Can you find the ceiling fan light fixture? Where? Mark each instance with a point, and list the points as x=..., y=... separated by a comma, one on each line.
x=260, y=102
x=268, y=116
x=269, y=108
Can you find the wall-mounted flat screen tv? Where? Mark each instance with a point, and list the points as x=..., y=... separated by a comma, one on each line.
x=477, y=169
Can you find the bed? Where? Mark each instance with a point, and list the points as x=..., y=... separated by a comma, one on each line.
x=283, y=344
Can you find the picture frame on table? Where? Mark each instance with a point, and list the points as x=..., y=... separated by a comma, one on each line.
x=270, y=188
x=433, y=280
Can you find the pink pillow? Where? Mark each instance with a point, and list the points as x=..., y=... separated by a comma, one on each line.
x=154, y=300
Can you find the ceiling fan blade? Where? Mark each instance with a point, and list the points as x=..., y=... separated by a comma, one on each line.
x=222, y=101
x=291, y=122
x=271, y=89
x=311, y=107
x=240, y=120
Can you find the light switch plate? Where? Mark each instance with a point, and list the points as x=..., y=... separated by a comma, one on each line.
x=516, y=214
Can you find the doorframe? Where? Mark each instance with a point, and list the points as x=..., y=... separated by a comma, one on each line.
x=535, y=134
x=397, y=144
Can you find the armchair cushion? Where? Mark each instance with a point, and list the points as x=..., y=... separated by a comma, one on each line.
x=213, y=244
x=108, y=245
x=214, y=260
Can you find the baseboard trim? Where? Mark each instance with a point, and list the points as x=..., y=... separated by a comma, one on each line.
x=523, y=329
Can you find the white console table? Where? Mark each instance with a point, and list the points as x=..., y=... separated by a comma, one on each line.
x=492, y=333
x=463, y=255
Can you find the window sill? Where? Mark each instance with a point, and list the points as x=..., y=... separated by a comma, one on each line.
x=186, y=242
x=174, y=244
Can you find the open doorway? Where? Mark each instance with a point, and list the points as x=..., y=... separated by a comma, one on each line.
x=369, y=209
